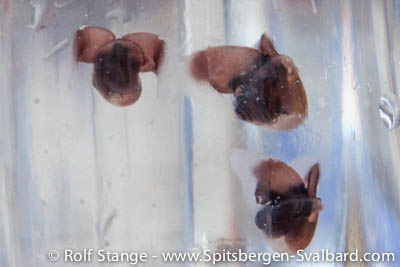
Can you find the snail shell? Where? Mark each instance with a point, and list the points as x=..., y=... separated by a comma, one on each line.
x=117, y=62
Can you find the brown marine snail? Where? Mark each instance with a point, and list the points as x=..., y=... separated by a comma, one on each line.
x=117, y=62
x=266, y=85
x=290, y=208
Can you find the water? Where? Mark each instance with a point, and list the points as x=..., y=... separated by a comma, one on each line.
x=171, y=172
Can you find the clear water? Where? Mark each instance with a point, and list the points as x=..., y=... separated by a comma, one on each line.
x=76, y=172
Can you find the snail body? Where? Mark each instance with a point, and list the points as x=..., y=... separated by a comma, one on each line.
x=266, y=86
x=117, y=62
x=290, y=207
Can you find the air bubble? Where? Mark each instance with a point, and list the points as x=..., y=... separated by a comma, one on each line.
x=389, y=110
x=369, y=88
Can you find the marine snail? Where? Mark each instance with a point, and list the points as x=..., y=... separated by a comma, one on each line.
x=289, y=215
x=266, y=85
x=117, y=62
